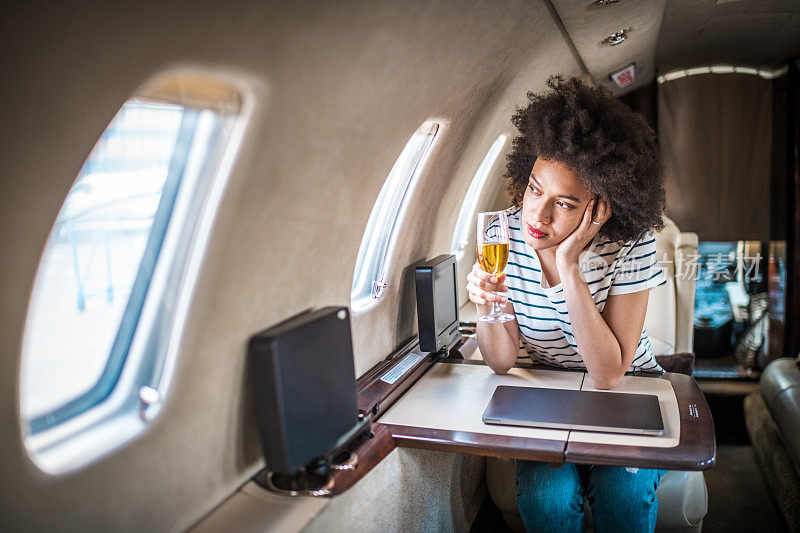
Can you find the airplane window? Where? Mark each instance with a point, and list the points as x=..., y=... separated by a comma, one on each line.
x=470, y=202
x=101, y=292
x=368, y=279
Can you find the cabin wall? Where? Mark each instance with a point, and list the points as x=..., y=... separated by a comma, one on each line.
x=335, y=89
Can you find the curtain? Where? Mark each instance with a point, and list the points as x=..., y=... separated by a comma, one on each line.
x=715, y=132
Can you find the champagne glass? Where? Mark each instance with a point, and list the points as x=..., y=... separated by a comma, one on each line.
x=493, y=254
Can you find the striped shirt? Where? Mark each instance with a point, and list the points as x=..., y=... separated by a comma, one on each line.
x=609, y=268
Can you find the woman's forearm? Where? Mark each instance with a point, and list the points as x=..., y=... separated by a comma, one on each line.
x=597, y=345
x=498, y=342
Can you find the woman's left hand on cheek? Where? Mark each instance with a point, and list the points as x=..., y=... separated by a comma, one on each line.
x=569, y=251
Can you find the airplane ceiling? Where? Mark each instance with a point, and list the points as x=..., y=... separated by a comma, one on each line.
x=591, y=26
x=664, y=35
x=754, y=33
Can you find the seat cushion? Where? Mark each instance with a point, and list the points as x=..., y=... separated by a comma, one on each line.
x=773, y=459
x=682, y=496
x=661, y=305
x=682, y=499
x=682, y=363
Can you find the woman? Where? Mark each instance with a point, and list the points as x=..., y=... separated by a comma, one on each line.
x=587, y=185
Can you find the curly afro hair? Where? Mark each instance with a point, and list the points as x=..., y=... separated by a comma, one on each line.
x=611, y=149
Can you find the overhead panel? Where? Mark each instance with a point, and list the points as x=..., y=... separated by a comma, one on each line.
x=610, y=36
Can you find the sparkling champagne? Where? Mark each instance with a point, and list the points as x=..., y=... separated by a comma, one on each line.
x=492, y=247
x=493, y=257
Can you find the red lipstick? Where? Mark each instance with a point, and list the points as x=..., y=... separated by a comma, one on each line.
x=535, y=233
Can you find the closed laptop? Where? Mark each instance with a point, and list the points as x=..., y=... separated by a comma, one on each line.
x=611, y=412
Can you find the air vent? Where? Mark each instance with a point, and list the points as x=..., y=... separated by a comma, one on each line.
x=617, y=38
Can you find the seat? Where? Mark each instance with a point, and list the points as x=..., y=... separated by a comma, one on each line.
x=670, y=309
x=682, y=496
x=772, y=417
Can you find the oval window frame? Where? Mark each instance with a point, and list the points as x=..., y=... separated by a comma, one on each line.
x=122, y=415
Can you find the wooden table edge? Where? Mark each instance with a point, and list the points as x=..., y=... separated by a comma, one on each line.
x=485, y=444
x=696, y=449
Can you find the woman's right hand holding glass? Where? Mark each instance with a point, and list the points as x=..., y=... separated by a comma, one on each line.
x=482, y=286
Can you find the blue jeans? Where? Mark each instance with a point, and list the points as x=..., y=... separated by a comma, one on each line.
x=551, y=499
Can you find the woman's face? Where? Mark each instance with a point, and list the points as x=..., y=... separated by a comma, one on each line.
x=553, y=205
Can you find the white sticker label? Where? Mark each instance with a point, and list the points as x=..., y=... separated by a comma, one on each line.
x=404, y=366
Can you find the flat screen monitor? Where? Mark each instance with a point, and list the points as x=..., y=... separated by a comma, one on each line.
x=437, y=303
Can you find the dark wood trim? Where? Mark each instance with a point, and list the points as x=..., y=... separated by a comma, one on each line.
x=696, y=450
x=370, y=453
x=551, y=451
x=378, y=370
x=400, y=387
x=376, y=396
x=452, y=441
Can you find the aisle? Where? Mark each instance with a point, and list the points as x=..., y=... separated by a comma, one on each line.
x=738, y=498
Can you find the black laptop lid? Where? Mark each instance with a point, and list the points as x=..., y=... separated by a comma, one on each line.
x=574, y=409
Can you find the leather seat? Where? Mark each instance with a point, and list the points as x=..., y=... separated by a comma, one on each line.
x=772, y=417
x=682, y=496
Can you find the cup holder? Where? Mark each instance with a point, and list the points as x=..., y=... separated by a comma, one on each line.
x=344, y=460
x=300, y=484
x=307, y=483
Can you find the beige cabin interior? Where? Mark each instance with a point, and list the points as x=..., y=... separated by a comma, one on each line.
x=329, y=94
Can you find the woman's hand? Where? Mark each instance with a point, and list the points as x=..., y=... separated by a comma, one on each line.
x=498, y=343
x=481, y=287
x=569, y=250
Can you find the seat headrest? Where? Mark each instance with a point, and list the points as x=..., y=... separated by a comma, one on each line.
x=669, y=234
